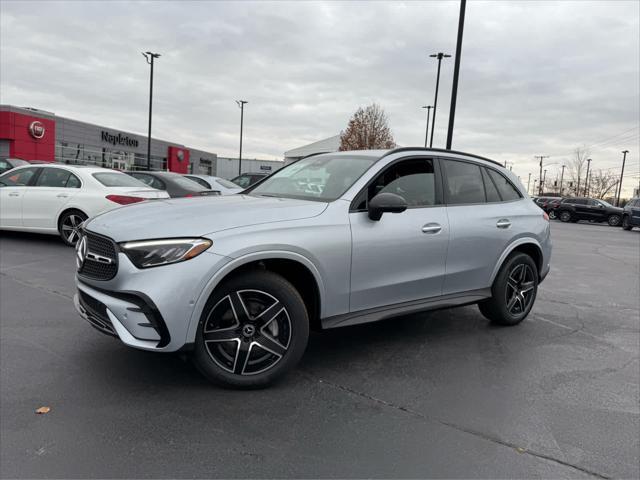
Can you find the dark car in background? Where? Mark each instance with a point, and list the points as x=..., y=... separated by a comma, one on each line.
x=548, y=204
x=631, y=214
x=574, y=209
x=174, y=184
x=247, y=179
x=7, y=164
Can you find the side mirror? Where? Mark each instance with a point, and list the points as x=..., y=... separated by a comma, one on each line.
x=386, y=202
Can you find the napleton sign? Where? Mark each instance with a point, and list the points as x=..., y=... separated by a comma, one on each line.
x=119, y=139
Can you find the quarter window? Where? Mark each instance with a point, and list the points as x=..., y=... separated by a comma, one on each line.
x=490, y=187
x=464, y=183
x=505, y=187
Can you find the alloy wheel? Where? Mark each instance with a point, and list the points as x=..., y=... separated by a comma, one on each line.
x=247, y=332
x=520, y=289
x=565, y=216
x=614, y=220
x=71, y=228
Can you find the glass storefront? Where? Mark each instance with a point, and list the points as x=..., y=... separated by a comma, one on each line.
x=106, y=157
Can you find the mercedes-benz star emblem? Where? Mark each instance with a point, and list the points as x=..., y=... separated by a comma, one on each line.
x=81, y=251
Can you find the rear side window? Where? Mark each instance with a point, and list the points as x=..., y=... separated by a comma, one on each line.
x=490, y=187
x=116, y=179
x=18, y=178
x=505, y=187
x=463, y=183
x=53, y=177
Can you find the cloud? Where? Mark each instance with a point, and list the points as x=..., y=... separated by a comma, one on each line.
x=536, y=77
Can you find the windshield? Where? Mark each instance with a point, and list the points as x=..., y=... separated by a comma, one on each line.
x=322, y=178
x=117, y=179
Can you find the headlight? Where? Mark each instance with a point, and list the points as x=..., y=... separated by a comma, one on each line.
x=152, y=253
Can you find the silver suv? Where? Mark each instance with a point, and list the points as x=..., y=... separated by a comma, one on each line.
x=331, y=240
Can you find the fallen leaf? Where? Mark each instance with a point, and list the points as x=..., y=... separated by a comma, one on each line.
x=43, y=410
x=520, y=450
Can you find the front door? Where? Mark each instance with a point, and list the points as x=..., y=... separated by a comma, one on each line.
x=46, y=198
x=400, y=257
x=13, y=186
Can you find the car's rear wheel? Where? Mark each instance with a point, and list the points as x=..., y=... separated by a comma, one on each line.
x=625, y=223
x=253, y=329
x=69, y=226
x=565, y=216
x=513, y=292
x=614, y=220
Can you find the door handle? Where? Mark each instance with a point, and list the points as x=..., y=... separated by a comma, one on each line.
x=14, y=194
x=503, y=223
x=431, y=228
x=62, y=195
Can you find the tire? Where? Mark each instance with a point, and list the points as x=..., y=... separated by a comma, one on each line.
x=68, y=225
x=625, y=223
x=238, y=343
x=552, y=214
x=513, y=292
x=614, y=220
x=565, y=216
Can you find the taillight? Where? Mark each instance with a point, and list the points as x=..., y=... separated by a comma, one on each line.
x=545, y=216
x=124, y=199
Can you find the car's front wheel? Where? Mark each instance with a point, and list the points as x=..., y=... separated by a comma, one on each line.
x=565, y=216
x=614, y=220
x=513, y=292
x=253, y=329
x=69, y=226
x=625, y=223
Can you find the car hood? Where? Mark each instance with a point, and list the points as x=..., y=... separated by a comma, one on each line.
x=198, y=216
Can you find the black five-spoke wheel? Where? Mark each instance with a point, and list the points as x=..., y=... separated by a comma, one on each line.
x=253, y=329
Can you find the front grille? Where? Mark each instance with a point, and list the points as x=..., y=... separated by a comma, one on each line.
x=105, y=247
x=96, y=313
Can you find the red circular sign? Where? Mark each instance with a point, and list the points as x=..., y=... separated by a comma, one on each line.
x=36, y=129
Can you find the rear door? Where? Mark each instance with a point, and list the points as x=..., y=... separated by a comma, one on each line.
x=485, y=213
x=13, y=186
x=53, y=188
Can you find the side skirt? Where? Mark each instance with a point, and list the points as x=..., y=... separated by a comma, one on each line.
x=406, y=308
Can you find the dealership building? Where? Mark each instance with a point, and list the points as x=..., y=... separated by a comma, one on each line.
x=32, y=134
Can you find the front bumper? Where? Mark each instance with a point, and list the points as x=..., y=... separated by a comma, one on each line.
x=149, y=309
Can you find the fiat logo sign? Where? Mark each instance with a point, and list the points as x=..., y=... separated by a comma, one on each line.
x=36, y=129
x=180, y=155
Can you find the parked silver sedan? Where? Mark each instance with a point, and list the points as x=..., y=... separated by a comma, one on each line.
x=240, y=280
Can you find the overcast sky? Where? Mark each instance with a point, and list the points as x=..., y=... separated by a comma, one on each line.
x=537, y=78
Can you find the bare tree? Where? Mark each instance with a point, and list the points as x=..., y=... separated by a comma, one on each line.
x=602, y=184
x=576, y=170
x=368, y=129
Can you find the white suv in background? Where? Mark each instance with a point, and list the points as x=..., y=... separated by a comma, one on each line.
x=56, y=199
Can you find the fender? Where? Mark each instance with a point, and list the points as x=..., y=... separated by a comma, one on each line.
x=510, y=248
x=238, y=262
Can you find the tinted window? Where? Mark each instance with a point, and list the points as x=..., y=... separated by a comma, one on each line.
x=18, y=178
x=116, y=179
x=506, y=189
x=202, y=182
x=413, y=180
x=243, y=181
x=73, y=182
x=4, y=166
x=464, y=183
x=490, y=187
x=52, y=177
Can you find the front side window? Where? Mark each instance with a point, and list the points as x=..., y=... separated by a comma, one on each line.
x=53, y=177
x=322, y=178
x=117, y=179
x=18, y=178
x=505, y=187
x=464, y=183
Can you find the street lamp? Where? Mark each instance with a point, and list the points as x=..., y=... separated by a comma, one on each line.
x=426, y=132
x=241, y=105
x=439, y=56
x=150, y=57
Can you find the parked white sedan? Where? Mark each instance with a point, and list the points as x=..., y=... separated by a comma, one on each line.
x=57, y=198
x=225, y=187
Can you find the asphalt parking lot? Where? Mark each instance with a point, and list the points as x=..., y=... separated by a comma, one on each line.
x=433, y=395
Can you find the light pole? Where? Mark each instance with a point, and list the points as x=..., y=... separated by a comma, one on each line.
x=150, y=57
x=456, y=71
x=426, y=133
x=586, y=183
x=241, y=105
x=624, y=157
x=439, y=56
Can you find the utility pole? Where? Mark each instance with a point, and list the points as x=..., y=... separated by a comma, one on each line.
x=426, y=133
x=561, y=179
x=544, y=180
x=586, y=183
x=150, y=57
x=528, y=183
x=540, y=157
x=241, y=105
x=439, y=56
x=534, y=184
x=624, y=157
x=456, y=72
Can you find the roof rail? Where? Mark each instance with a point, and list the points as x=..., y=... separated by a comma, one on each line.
x=440, y=150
